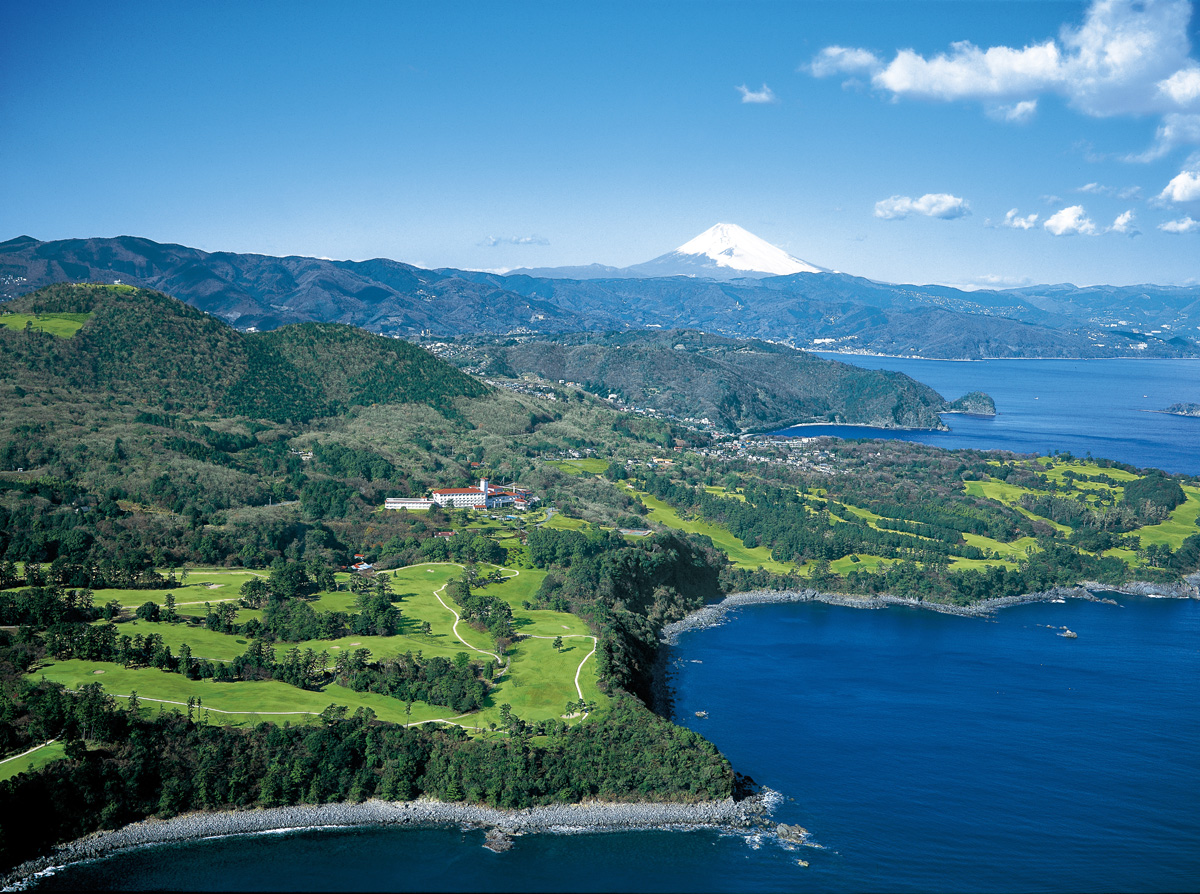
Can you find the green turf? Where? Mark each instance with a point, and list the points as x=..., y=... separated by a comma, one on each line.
x=589, y=466
x=538, y=683
x=722, y=492
x=542, y=680
x=61, y=325
x=1015, y=550
x=560, y=522
x=739, y=554
x=1054, y=470
x=845, y=564
x=33, y=760
x=245, y=702
x=1177, y=528
x=202, y=586
x=1010, y=495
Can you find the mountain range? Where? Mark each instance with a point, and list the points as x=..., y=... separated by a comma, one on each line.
x=713, y=286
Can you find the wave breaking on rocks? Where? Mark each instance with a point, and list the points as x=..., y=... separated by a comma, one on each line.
x=717, y=613
x=501, y=826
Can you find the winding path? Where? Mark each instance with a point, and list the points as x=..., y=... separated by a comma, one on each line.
x=30, y=751
x=578, y=670
x=515, y=573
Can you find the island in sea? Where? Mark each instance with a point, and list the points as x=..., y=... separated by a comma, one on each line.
x=1183, y=409
x=207, y=605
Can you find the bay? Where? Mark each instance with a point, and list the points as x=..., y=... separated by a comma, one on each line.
x=1101, y=407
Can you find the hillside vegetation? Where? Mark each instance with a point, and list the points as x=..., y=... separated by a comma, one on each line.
x=147, y=346
x=738, y=384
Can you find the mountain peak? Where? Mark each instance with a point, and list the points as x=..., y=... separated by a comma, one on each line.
x=729, y=245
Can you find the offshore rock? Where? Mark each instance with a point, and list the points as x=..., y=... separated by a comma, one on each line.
x=798, y=834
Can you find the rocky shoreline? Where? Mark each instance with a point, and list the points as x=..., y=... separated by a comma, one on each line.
x=715, y=614
x=749, y=814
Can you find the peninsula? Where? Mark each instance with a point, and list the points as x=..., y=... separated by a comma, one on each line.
x=228, y=582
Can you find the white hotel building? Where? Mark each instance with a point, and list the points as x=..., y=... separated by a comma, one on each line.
x=485, y=496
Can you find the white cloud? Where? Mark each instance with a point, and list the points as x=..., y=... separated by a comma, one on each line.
x=764, y=95
x=1018, y=113
x=1179, y=227
x=1176, y=130
x=1124, y=225
x=993, y=280
x=1099, y=189
x=1016, y=222
x=493, y=241
x=1183, y=87
x=1185, y=187
x=844, y=60
x=938, y=204
x=1127, y=57
x=1070, y=221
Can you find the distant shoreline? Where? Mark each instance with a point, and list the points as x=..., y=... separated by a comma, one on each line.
x=715, y=614
x=501, y=825
x=985, y=359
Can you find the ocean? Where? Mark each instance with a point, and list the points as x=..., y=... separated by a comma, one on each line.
x=1102, y=407
x=924, y=752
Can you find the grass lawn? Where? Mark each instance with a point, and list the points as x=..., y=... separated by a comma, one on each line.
x=739, y=554
x=1009, y=495
x=539, y=682
x=1014, y=550
x=204, y=643
x=1177, y=528
x=62, y=325
x=1054, y=471
x=33, y=760
x=560, y=522
x=201, y=587
x=542, y=680
x=244, y=702
x=964, y=564
x=588, y=466
x=845, y=564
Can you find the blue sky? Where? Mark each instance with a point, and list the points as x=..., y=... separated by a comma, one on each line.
x=967, y=143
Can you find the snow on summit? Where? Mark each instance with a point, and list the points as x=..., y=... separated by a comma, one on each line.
x=728, y=245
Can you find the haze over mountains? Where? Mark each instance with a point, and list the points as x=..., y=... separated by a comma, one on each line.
x=718, y=284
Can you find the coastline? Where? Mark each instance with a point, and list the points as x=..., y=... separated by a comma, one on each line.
x=716, y=613
x=820, y=351
x=751, y=813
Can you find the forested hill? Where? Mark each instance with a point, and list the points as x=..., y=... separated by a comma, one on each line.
x=145, y=346
x=737, y=384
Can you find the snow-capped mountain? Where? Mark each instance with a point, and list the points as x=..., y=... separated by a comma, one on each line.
x=724, y=251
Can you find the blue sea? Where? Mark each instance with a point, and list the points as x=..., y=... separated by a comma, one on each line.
x=924, y=752
x=1103, y=407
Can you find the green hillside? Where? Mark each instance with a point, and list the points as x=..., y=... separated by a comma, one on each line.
x=147, y=347
x=737, y=384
